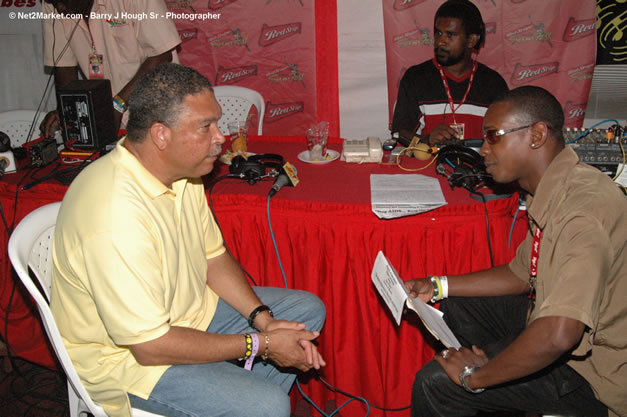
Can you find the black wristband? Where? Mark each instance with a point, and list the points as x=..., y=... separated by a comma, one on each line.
x=255, y=313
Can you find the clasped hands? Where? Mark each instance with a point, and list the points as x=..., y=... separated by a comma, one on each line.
x=292, y=346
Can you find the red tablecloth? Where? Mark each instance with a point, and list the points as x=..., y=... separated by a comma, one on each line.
x=328, y=239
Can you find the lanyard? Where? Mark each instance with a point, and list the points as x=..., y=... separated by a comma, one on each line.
x=533, y=267
x=93, y=44
x=448, y=89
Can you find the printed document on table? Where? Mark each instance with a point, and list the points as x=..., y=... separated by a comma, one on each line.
x=401, y=195
x=395, y=294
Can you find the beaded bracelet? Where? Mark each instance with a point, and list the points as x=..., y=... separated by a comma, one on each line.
x=249, y=346
x=254, y=348
x=436, y=289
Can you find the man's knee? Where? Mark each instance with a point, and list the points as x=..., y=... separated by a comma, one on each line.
x=317, y=309
x=311, y=309
x=427, y=389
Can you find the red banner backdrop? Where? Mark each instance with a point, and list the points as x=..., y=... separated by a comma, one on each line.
x=276, y=47
x=550, y=44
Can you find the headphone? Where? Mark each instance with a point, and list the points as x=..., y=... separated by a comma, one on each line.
x=468, y=168
x=5, y=142
x=255, y=167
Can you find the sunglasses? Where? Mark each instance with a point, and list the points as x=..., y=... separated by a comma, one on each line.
x=493, y=136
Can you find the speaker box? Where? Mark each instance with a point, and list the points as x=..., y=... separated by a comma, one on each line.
x=86, y=113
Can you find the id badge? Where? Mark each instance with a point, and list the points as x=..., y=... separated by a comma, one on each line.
x=460, y=130
x=96, y=66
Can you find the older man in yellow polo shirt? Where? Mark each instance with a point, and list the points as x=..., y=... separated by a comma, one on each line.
x=151, y=307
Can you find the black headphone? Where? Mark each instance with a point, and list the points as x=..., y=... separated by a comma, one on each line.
x=5, y=142
x=468, y=168
x=255, y=167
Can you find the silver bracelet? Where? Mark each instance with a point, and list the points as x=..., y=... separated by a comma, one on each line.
x=467, y=371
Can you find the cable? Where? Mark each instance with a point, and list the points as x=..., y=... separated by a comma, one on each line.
x=335, y=389
x=331, y=387
x=276, y=248
x=487, y=224
x=588, y=130
x=310, y=401
x=620, y=171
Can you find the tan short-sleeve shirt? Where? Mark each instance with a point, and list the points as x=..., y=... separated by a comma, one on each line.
x=582, y=268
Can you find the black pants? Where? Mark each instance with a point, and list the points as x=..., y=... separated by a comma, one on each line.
x=492, y=323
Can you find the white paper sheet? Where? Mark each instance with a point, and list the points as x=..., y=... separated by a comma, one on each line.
x=401, y=195
x=395, y=294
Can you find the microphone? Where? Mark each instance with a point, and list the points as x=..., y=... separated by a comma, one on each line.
x=287, y=176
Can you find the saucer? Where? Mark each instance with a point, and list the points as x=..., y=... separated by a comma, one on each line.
x=331, y=156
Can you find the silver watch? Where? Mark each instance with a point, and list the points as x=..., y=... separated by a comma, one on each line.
x=469, y=370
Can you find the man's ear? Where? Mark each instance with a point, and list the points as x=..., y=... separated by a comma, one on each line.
x=539, y=134
x=472, y=41
x=160, y=135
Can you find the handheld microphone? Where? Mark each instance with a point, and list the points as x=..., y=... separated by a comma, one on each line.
x=287, y=176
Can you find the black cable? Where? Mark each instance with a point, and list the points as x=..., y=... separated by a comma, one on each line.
x=14, y=286
x=346, y=394
x=487, y=224
x=6, y=326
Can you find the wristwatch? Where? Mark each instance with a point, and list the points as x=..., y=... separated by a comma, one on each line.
x=469, y=370
x=255, y=313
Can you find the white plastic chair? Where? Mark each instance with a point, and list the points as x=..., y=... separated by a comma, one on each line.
x=30, y=247
x=236, y=103
x=17, y=123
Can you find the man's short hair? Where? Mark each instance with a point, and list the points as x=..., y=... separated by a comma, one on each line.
x=470, y=16
x=535, y=104
x=158, y=97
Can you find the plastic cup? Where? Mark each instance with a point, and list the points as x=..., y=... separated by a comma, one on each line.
x=238, y=136
x=317, y=141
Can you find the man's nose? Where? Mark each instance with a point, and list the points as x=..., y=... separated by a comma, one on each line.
x=219, y=136
x=483, y=151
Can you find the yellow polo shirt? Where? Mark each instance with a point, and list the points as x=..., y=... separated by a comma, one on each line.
x=129, y=261
x=582, y=268
x=124, y=32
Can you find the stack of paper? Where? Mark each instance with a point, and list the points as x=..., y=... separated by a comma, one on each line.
x=404, y=194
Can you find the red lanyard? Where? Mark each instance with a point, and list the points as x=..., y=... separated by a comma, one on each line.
x=448, y=89
x=533, y=267
x=93, y=44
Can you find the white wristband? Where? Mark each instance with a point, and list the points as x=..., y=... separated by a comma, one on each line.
x=444, y=283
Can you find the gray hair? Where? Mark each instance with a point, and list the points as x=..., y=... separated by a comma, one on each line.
x=158, y=97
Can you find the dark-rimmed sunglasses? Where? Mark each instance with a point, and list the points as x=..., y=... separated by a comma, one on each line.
x=492, y=136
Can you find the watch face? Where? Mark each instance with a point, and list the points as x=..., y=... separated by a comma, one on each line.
x=469, y=370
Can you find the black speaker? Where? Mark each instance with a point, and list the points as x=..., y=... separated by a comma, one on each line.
x=86, y=112
x=463, y=166
x=255, y=167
